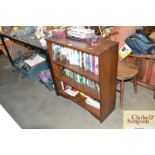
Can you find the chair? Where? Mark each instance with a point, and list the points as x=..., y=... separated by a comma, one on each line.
x=126, y=71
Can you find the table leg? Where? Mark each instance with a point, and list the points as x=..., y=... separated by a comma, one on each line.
x=121, y=93
x=135, y=84
x=7, y=51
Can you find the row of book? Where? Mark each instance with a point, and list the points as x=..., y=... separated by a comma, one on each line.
x=75, y=57
x=80, y=79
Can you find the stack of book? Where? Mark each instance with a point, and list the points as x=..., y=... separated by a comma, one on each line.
x=74, y=57
x=46, y=79
x=81, y=79
x=34, y=60
x=69, y=90
x=28, y=61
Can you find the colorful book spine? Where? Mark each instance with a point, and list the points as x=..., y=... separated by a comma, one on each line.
x=74, y=57
x=81, y=79
x=93, y=64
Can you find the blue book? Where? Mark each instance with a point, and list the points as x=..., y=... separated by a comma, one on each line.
x=75, y=76
x=56, y=52
x=93, y=64
x=87, y=62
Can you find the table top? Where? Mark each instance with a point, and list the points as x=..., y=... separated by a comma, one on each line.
x=29, y=40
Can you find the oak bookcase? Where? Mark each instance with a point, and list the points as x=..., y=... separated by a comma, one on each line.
x=107, y=53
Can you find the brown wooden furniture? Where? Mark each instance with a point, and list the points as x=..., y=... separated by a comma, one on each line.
x=149, y=29
x=107, y=53
x=126, y=71
x=146, y=66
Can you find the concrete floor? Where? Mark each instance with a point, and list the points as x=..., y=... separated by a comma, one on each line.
x=31, y=105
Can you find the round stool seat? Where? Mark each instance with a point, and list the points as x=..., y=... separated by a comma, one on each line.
x=126, y=71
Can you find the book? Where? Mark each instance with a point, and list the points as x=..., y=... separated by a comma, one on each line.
x=68, y=89
x=56, y=52
x=93, y=64
x=124, y=51
x=71, y=92
x=34, y=60
x=93, y=102
x=96, y=65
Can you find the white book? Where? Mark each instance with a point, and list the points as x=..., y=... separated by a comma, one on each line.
x=71, y=57
x=80, y=59
x=71, y=93
x=43, y=42
x=93, y=102
x=34, y=60
x=96, y=65
x=67, y=54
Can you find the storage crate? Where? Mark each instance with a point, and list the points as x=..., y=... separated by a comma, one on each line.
x=25, y=69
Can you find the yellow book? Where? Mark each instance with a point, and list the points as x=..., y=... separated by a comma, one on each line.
x=124, y=51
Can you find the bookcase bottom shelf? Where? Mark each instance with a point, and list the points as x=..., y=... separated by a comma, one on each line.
x=80, y=100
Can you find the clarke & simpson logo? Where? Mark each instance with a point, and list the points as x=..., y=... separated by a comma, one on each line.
x=139, y=119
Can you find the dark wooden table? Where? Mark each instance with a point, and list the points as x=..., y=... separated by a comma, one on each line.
x=25, y=41
x=29, y=41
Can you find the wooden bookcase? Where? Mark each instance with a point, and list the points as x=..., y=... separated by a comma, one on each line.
x=107, y=53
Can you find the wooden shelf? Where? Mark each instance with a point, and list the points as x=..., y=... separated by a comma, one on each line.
x=80, y=100
x=85, y=89
x=78, y=70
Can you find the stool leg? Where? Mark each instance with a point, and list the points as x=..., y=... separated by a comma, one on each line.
x=135, y=84
x=121, y=93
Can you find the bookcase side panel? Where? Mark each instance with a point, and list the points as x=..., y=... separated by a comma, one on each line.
x=55, y=69
x=108, y=62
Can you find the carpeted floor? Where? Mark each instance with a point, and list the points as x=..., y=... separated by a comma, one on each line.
x=32, y=106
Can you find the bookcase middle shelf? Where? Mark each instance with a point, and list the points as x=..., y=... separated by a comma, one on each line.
x=94, y=93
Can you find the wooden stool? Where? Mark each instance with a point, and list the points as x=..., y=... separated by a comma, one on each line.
x=126, y=71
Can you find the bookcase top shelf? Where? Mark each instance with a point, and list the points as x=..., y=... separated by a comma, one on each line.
x=83, y=45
